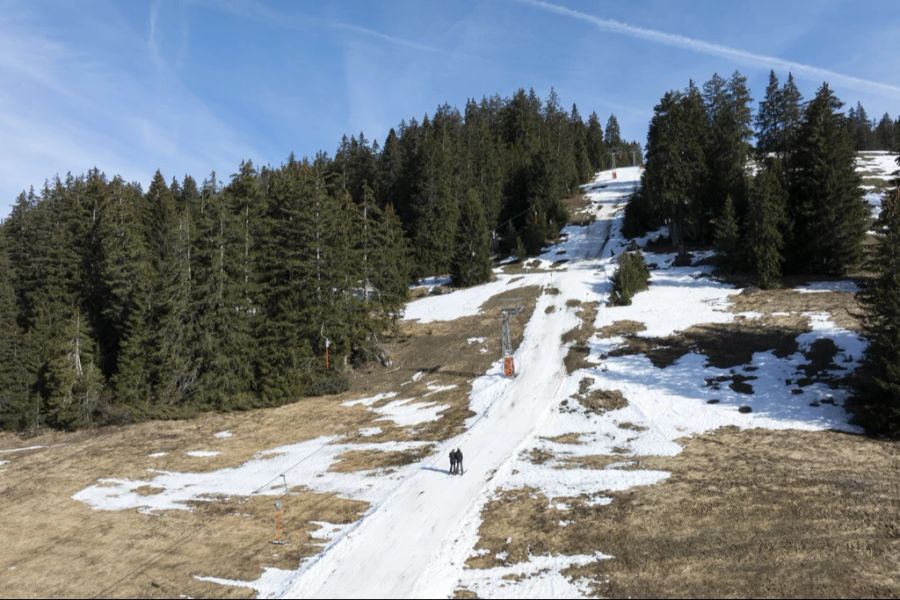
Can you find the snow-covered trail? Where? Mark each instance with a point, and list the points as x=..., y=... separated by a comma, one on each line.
x=414, y=543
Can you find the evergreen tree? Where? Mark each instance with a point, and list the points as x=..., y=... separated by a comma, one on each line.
x=881, y=298
x=768, y=119
x=884, y=133
x=13, y=378
x=171, y=367
x=765, y=222
x=612, y=137
x=727, y=149
x=863, y=136
x=472, y=256
x=790, y=114
x=595, y=145
x=826, y=210
x=727, y=238
x=675, y=170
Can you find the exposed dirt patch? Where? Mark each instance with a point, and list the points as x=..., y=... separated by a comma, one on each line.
x=359, y=460
x=566, y=438
x=842, y=306
x=621, y=328
x=601, y=401
x=745, y=513
x=579, y=209
x=579, y=336
x=725, y=345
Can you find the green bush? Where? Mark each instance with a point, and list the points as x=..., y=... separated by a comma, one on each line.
x=631, y=277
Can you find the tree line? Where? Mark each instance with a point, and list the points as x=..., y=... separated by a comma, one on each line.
x=119, y=304
x=791, y=204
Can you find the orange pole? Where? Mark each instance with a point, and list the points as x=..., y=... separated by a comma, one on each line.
x=326, y=358
x=278, y=526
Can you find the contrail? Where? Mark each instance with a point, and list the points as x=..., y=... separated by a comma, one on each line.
x=743, y=56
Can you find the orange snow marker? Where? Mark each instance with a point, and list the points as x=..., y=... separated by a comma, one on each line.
x=509, y=366
x=614, y=175
x=278, y=541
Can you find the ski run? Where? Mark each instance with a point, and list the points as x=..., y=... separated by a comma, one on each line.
x=422, y=524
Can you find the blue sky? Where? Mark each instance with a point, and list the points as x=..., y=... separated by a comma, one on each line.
x=196, y=85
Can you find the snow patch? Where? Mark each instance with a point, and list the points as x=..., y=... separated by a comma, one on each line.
x=370, y=400
x=304, y=464
x=539, y=577
x=409, y=412
x=202, y=453
x=12, y=450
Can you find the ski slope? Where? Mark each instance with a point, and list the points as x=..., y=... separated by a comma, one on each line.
x=415, y=542
x=423, y=524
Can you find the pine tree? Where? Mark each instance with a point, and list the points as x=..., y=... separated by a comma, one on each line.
x=790, y=115
x=72, y=380
x=727, y=238
x=827, y=213
x=727, y=150
x=764, y=224
x=863, y=136
x=882, y=320
x=768, y=119
x=612, y=137
x=595, y=146
x=884, y=133
x=675, y=171
x=14, y=382
x=125, y=273
x=171, y=368
x=472, y=256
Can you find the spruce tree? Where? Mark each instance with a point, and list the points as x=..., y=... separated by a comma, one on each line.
x=14, y=382
x=881, y=298
x=727, y=238
x=826, y=210
x=884, y=134
x=768, y=118
x=472, y=256
x=790, y=115
x=765, y=221
x=612, y=137
x=171, y=367
x=595, y=145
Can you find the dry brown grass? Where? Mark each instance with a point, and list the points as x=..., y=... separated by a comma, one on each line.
x=621, y=328
x=744, y=513
x=578, y=336
x=359, y=460
x=55, y=546
x=842, y=306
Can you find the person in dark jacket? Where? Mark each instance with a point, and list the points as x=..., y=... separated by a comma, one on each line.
x=459, y=463
x=453, y=462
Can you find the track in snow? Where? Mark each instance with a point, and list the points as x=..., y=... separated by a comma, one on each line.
x=416, y=541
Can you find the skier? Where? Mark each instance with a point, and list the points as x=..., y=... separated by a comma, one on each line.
x=452, y=462
x=459, y=463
